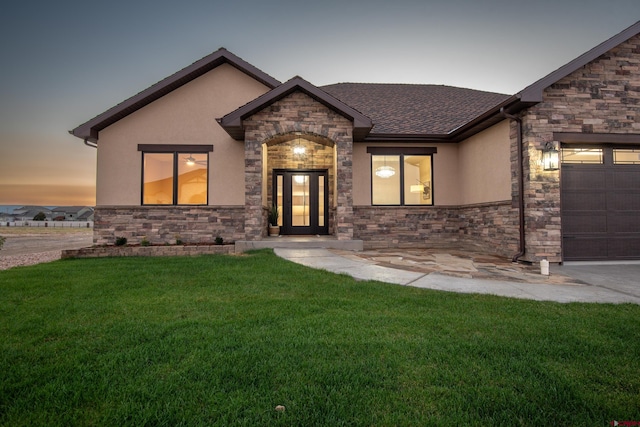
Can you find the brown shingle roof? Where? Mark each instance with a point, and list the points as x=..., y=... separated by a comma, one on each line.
x=415, y=109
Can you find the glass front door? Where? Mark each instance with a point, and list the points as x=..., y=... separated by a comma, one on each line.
x=302, y=197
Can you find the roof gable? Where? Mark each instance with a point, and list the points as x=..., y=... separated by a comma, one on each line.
x=533, y=92
x=232, y=122
x=89, y=130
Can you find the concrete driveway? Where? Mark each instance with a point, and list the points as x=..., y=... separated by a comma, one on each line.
x=622, y=278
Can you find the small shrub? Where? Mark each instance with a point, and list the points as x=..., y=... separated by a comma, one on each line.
x=2, y=240
x=40, y=216
x=144, y=242
x=121, y=241
x=219, y=240
x=178, y=240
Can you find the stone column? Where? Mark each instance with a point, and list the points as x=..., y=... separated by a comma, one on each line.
x=344, y=211
x=254, y=227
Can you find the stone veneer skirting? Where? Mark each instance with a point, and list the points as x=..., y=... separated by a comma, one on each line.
x=174, y=250
x=165, y=224
x=492, y=225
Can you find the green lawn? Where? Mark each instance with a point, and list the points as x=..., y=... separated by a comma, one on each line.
x=223, y=340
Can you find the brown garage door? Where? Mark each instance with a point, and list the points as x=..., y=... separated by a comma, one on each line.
x=600, y=194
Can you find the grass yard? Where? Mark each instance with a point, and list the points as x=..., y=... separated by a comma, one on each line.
x=223, y=340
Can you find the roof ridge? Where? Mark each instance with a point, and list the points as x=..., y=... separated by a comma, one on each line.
x=412, y=85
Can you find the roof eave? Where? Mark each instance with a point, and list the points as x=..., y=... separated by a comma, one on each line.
x=511, y=105
x=399, y=137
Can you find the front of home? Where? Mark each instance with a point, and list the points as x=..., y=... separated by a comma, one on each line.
x=205, y=152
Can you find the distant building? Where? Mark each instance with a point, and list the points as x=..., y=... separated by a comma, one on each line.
x=72, y=213
x=6, y=217
x=26, y=213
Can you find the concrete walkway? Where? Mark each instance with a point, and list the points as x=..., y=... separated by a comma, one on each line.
x=591, y=285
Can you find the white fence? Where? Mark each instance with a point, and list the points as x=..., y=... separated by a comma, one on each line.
x=58, y=224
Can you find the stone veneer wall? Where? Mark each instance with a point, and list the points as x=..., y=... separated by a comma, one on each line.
x=165, y=224
x=601, y=97
x=492, y=225
x=169, y=250
x=297, y=112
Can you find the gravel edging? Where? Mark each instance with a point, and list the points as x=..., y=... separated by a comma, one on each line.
x=10, y=261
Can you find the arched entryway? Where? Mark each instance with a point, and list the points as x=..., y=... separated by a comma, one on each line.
x=300, y=178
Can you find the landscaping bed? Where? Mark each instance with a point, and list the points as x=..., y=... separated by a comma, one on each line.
x=138, y=250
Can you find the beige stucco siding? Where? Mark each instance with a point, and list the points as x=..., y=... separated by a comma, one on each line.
x=484, y=166
x=185, y=116
x=446, y=178
x=361, y=175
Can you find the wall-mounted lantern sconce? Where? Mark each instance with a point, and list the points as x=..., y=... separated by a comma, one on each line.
x=550, y=157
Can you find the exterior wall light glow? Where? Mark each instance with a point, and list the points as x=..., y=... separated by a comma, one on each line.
x=550, y=157
x=298, y=150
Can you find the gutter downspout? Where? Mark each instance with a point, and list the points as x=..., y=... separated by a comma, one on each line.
x=518, y=121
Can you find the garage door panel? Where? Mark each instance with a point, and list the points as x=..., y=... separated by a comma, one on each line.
x=622, y=222
x=577, y=249
x=585, y=178
x=620, y=201
x=623, y=247
x=584, y=201
x=624, y=178
x=587, y=222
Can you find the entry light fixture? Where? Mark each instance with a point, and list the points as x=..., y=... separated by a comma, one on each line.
x=298, y=149
x=550, y=157
x=385, y=171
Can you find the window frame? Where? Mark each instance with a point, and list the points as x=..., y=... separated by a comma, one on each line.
x=401, y=152
x=176, y=151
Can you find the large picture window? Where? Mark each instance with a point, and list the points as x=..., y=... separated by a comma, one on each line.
x=171, y=176
x=401, y=179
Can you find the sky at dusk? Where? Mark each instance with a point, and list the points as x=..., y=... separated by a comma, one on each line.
x=65, y=62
